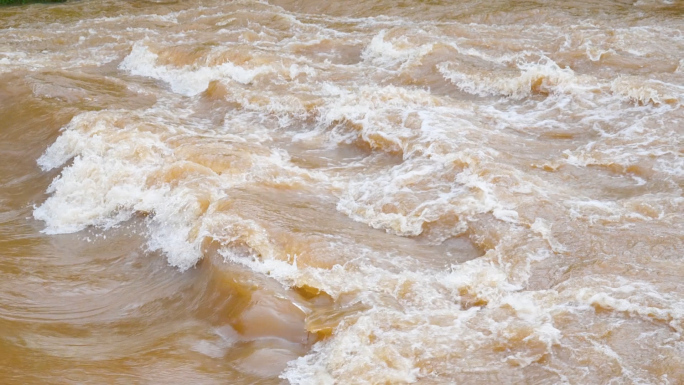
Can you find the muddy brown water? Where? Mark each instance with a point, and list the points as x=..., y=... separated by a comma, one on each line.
x=314, y=192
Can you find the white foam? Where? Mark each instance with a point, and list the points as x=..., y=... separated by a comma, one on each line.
x=543, y=76
x=542, y=227
x=640, y=299
x=380, y=343
x=648, y=91
x=389, y=54
x=186, y=80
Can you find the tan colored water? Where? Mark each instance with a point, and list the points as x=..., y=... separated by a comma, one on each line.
x=342, y=192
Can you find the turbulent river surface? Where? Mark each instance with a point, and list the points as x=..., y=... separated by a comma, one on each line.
x=333, y=192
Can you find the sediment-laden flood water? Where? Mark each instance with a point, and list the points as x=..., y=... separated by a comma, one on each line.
x=342, y=192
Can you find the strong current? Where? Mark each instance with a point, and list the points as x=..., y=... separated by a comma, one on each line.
x=342, y=192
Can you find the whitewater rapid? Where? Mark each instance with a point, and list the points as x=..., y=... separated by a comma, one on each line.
x=443, y=197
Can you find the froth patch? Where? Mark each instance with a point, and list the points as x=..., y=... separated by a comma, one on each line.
x=190, y=79
x=379, y=344
x=390, y=53
x=126, y=163
x=648, y=91
x=543, y=77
